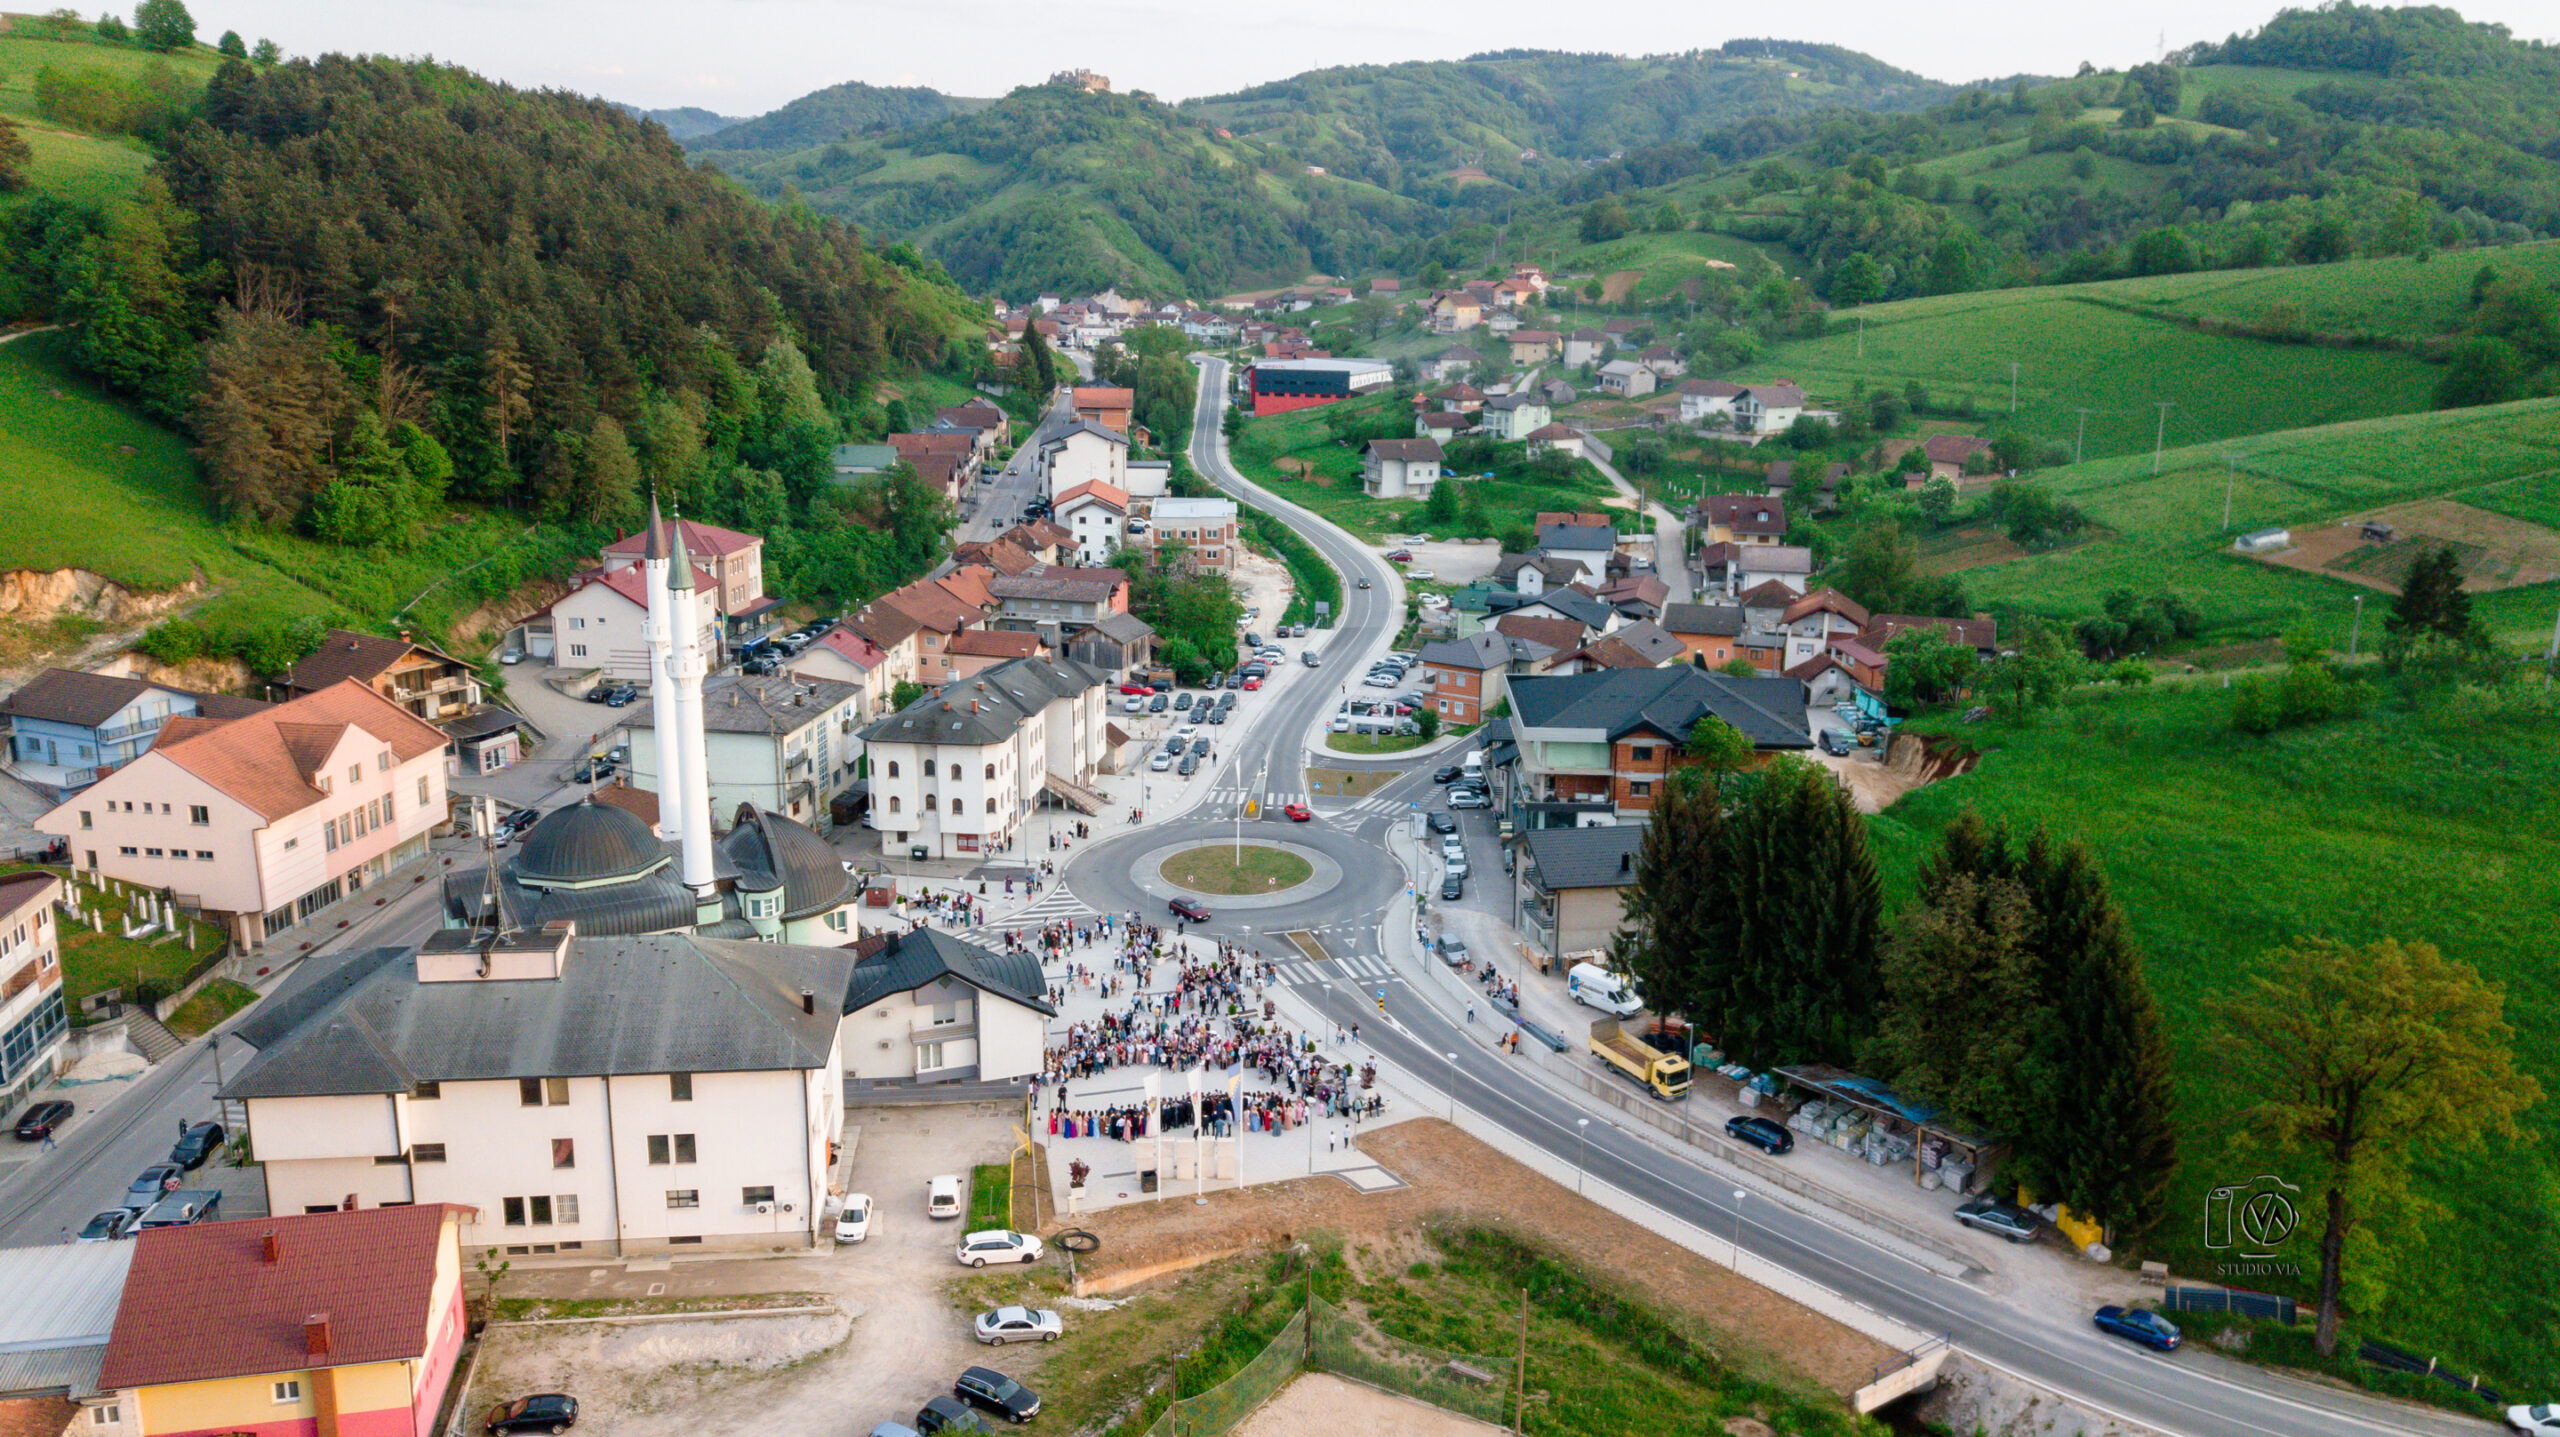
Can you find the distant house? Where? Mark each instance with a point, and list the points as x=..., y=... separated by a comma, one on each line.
x=1555, y=439
x=1626, y=378
x=1455, y=311
x=1768, y=408
x=1443, y=424
x=1149, y=478
x=1571, y=882
x=981, y=416
x=1106, y=405
x=68, y=729
x=1117, y=644
x=1613, y=736
x=736, y=563
x=1400, y=468
x=1701, y=400
x=1461, y=398
x=1730, y=568
x=1664, y=361
x=1586, y=546
x=861, y=461
x=1981, y=635
x=1584, y=346
x=1741, y=519
x=1456, y=362
x=1516, y=416
x=1950, y=453
x=1465, y=677
x=1082, y=453
x=1098, y=515
x=1204, y=528
x=1532, y=346
x=427, y=682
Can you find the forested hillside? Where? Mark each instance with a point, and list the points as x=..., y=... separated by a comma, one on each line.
x=685, y=122
x=839, y=112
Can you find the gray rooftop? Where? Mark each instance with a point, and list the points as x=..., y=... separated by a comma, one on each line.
x=1593, y=611
x=759, y=703
x=911, y=959
x=1669, y=701
x=1602, y=857
x=1577, y=536
x=987, y=706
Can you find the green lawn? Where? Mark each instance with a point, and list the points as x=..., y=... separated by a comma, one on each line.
x=2073, y=355
x=213, y=1003
x=2401, y=297
x=2441, y=825
x=1217, y=868
x=1372, y=742
x=2166, y=531
x=100, y=958
x=990, y=1196
x=1329, y=482
x=120, y=496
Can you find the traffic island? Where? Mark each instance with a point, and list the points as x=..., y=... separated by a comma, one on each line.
x=1226, y=870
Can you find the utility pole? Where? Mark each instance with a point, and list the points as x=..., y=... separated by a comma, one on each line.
x=1520, y=1372
x=2551, y=655
x=2161, y=439
x=2355, y=630
x=2230, y=480
x=2083, y=439
x=2013, y=386
x=1862, y=334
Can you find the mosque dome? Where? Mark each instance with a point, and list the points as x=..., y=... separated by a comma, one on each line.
x=588, y=842
x=770, y=851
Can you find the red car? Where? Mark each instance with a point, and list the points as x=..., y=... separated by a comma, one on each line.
x=1399, y=556
x=1298, y=812
x=1189, y=908
x=1251, y=684
x=1137, y=690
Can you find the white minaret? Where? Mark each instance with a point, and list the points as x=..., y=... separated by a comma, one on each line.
x=685, y=667
x=674, y=755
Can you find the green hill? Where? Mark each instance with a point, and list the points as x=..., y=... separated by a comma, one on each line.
x=839, y=112
x=685, y=122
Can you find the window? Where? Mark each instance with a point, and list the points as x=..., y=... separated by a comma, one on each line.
x=427, y=1153
x=382, y=761
x=893, y=773
x=107, y=1416
x=199, y=815
x=1639, y=789
x=84, y=823
x=564, y=1152
x=426, y=1092
x=684, y=1197
x=556, y=1091
x=129, y=851
x=422, y=791
x=151, y=853
x=291, y=844
x=955, y=812
x=665, y=1148
x=529, y=1092
x=680, y=1087
x=1641, y=753
x=390, y=809
x=928, y=768
x=567, y=1206
x=540, y=1205
x=204, y=855
x=893, y=803
x=752, y=1196
x=355, y=773
x=329, y=836
x=577, y=651
x=514, y=1209
x=289, y=1390
x=991, y=771
x=577, y=623
x=991, y=805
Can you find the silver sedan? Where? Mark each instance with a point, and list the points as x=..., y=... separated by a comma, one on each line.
x=1018, y=1324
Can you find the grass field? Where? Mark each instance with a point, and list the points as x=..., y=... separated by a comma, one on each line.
x=2073, y=355
x=100, y=958
x=69, y=164
x=2166, y=531
x=121, y=498
x=1215, y=868
x=2402, y=297
x=212, y=1003
x=2441, y=825
x=990, y=1196
x=1323, y=474
x=1371, y=743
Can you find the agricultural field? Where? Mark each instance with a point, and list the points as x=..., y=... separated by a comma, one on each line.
x=2073, y=355
x=2440, y=824
x=2167, y=531
x=123, y=500
x=2403, y=298
x=70, y=164
x=1296, y=457
x=1663, y=261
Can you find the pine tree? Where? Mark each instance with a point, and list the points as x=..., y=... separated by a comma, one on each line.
x=2431, y=600
x=1036, y=357
x=1669, y=907
x=1959, y=974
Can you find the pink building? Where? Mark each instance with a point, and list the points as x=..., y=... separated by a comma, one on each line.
x=263, y=820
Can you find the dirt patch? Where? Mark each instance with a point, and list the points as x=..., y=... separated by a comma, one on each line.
x=1967, y=548
x=2497, y=551
x=1616, y=287
x=1451, y=1175
x=1321, y=1405
x=622, y=1372
x=1910, y=764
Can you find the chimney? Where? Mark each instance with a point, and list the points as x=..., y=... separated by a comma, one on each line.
x=271, y=1249
x=315, y=1334
x=808, y=1001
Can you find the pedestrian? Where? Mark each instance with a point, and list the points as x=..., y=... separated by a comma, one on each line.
x=1471, y=1010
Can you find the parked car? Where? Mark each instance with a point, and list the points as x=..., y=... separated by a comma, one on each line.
x=1453, y=886
x=1190, y=765
x=942, y=1196
x=853, y=1220
x=1139, y=689
x=511, y=657
x=949, y=1414
x=2139, y=1325
x=594, y=770
x=1133, y=705
x=1018, y=1324
x=1252, y=682
x=1298, y=813
x=1993, y=1216
x=201, y=1141
x=985, y=1387
x=599, y=693
x=1160, y=762
x=1199, y=748
x=114, y=1223
x=156, y=1180
x=1158, y=704
x=621, y=697
x=1341, y=724
x=1445, y=773
x=1443, y=822
x=1453, y=953
x=1252, y=640
x=1767, y=1134
x=1418, y=576
x=39, y=1121
x=1399, y=556
x=1216, y=715
x=1190, y=908
x=1835, y=742
x=1469, y=798
x=977, y=1249
x=542, y=1412
x=896, y=1429
x=2542, y=1419
x=1182, y=702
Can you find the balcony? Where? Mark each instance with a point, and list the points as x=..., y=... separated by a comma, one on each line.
x=923, y=1029
x=136, y=729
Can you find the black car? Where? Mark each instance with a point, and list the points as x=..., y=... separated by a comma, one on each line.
x=1199, y=748
x=985, y=1387
x=594, y=770
x=949, y=1414
x=1446, y=773
x=599, y=693
x=542, y=1412
x=202, y=1141
x=1191, y=908
x=763, y=665
x=1836, y=743
x=1218, y=715
x=1235, y=681
x=37, y=1123
x=621, y=697
x=2009, y=1221
x=1443, y=822
x=1182, y=701
x=1452, y=887
x=108, y=1226
x=1156, y=705
x=1766, y=1134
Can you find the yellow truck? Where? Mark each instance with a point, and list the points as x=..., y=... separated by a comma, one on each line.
x=1666, y=1074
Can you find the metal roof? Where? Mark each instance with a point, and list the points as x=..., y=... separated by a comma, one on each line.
x=1601, y=857
x=912, y=959
x=1769, y=712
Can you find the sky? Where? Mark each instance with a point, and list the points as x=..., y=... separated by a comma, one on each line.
x=743, y=57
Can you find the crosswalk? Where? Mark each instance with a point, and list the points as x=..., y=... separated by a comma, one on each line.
x=1059, y=902
x=1358, y=968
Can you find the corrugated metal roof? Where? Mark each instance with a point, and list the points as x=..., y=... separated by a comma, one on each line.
x=61, y=1295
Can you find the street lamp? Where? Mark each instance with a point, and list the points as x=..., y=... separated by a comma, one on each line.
x=1738, y=1196
x=1581, y=1154
x=1451, y=1086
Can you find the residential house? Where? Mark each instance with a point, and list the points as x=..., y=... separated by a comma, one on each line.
x=1569, y=888
x=1636, y=596
x=1574, y=602
x=613, y=1095
x=1149, y=478
x=1463, y=398
x=1768, y=408
x=1980, y=634
x=1400, y=468
x=1586, y=546
x=1626, y=379
x=1000, y=554
x=1082, y=453
x=1455, y=311
x=1742, y=519
x=1556, y=439
x=1516, y=416
x=1664, y=361
x=842, y=655
x=1831, y=678
x=925, y=1006
x=260, y=821
x=1204, y=528
x=1043, y=540
x=1106, y=405
x=1620, y=331
x=897, y=637
x=1779, y=479
x=1467, y=676
x=1584, y=346
x=863, y=461
x=942, y=611
x=1714, y=635
x=33, y=1019
x=1557, y=636
x=956, y=773
x=1116, y=645
x=1765, y=608
x=1728, y=568
x=945, y=462
x=1610, y=737
x=1455, y=362
x=981, y=649
x=1950, y=454
x=1556, y=392
x=778, y=742
x=736, y=564
x=1865, y=668
x=427, y=682
x=1812, y=622
x=1705, y=401
x=1441, y=425
x=987, y=419
x=600, y=625
x=1059, y=600
x=1642, y=644
x=1098, y=515
x=322, y=1322
x=1532, y=574
x=54, y=1332
x=1533, y=346
x=1502, y=324
x=68, y=729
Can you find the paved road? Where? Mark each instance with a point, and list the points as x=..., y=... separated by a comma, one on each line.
x=1001, y=496
x=2192, y=1393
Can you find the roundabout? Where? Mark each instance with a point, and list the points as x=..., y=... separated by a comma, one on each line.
x=1225, y=870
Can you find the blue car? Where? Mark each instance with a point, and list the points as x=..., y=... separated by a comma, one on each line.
x=2143, y=1326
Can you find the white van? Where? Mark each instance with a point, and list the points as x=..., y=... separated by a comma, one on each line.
x=1596, y=987
x=944, y=1195
x=1471, y=768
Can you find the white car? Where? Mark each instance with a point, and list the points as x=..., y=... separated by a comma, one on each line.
x=511, y=657
x=1382, y=681
x=853, y=1224
x=1160, y=762
x=1339, y=725
x=1419, y=576
x=1019, y=1324
x=997, y=1245
x=1187, y=732
x=2541, y=1419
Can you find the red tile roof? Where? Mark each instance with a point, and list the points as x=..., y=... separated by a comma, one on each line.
x=1110, y=494
x=699, y=539
x=1952, y=448
x=267, y=759
x=996, y=644
x=201, y=1302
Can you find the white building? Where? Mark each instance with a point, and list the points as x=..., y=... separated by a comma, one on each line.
x=1768, y=408
x=1702, y=400
x=1097, y=514
x=602, y=624
x=1400, y=468
x=957, y=773
x=1082, y=453
x=779, y=742
x=926, y=1007
x=619, y=1095
x=32, y=1017
x=1205, y=528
